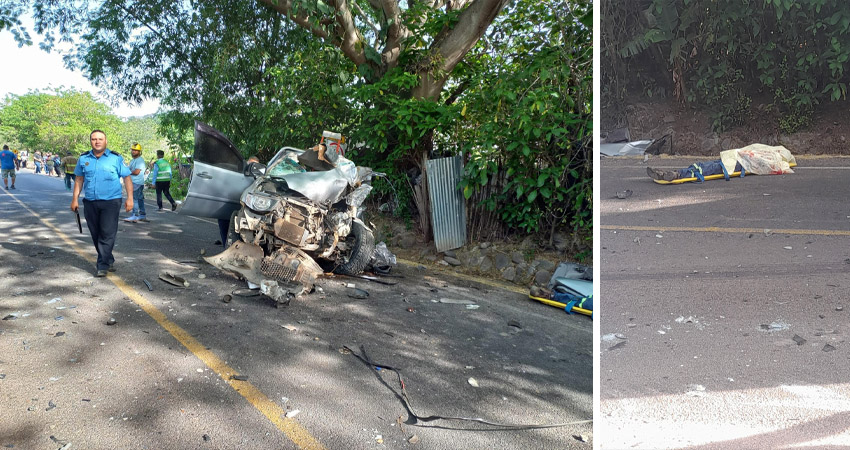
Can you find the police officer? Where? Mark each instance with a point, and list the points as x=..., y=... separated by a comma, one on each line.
x=99, y=171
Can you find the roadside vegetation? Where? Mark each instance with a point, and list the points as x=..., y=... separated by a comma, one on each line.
x=507, y=85
x=774, y=60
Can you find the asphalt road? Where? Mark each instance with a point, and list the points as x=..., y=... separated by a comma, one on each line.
x=161, y=376
x=727, y=309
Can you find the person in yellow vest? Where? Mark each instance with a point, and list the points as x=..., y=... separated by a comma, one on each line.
x=162, y=178
x=68, y=164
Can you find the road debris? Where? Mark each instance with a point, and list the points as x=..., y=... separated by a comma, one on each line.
x=828, y=348
x=53, y=300
x=11, y=317
x=249, y=292
x=173, y=279
x=148, y=284
x=293, y=413
x=358, y=293
x=622, y=195
x=580, y=437
x=696, y=390
x=289, y=327
x=798, y=339
x=50, y=405
x=226, y=298
x=111, y=321
x=774, y=326
x=59, y=334
x=206, y=438
x=454, y=301
x=239, y=377
x=413, y=439
x=472, y=382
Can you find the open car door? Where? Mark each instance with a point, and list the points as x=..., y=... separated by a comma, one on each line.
x=218, y=178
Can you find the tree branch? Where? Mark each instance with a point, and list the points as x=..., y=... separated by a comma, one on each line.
x=302, y=19
x=471, y=25
x=351, y=42
x=396, y=32
x=368, y=22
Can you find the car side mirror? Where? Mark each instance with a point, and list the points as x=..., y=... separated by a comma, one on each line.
x=255, y=170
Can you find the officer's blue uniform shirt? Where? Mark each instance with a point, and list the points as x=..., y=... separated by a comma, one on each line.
x=102, y=175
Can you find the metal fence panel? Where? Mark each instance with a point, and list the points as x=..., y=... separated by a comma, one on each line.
x=448, y=208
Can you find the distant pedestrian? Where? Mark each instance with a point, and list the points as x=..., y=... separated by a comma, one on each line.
x=56, y=163
x=137, y=176
x=48, y=164
x=37, y=161
x=25, y=155
x=7, y=166
x=68, y=164
x=162, y=178
x=99, y=172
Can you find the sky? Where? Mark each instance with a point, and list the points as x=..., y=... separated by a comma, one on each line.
x=30, y=68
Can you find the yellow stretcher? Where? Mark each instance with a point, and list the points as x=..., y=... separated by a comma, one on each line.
x=560, y=305
x=718, y=176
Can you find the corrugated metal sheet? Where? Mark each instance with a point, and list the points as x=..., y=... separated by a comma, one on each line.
x=448, y=208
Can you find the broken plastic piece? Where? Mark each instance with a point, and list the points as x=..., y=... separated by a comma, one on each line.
x=175, y=280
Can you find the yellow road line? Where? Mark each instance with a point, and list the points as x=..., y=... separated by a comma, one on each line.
x=727, y=230
x=277, y=415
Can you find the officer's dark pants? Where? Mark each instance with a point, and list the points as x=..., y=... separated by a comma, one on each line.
x=102, y=220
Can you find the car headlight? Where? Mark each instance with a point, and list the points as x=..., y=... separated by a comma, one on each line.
x=260, y=203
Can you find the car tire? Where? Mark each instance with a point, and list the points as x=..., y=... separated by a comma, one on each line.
x=361, y=254
x=232, y=236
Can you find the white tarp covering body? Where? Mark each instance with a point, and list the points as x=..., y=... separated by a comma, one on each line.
x=759, y=159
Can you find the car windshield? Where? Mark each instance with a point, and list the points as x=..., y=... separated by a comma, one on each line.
x=285, y=163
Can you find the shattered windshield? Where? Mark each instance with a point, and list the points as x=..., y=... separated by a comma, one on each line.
x=285, y=164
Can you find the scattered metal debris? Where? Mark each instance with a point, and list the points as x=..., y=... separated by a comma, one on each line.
x=246, y=292
x=172, y=279
x=239, y=377
x=148, y=284
x=226, y=298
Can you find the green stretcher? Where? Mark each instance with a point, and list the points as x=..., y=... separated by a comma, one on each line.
x=718, y=176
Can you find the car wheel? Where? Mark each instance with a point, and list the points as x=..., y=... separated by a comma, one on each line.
x=360, y=254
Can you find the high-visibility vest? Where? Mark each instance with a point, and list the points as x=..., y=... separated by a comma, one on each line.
x=163, y=170
x=70, y=163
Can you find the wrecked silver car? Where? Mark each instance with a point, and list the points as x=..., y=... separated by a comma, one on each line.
x=285, y=219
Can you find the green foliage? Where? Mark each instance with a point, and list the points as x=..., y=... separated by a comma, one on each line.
x=722, y=53
x=527, y=123
x=62, y=120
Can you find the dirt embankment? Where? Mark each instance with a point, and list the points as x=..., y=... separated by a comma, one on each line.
x=691, y=128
